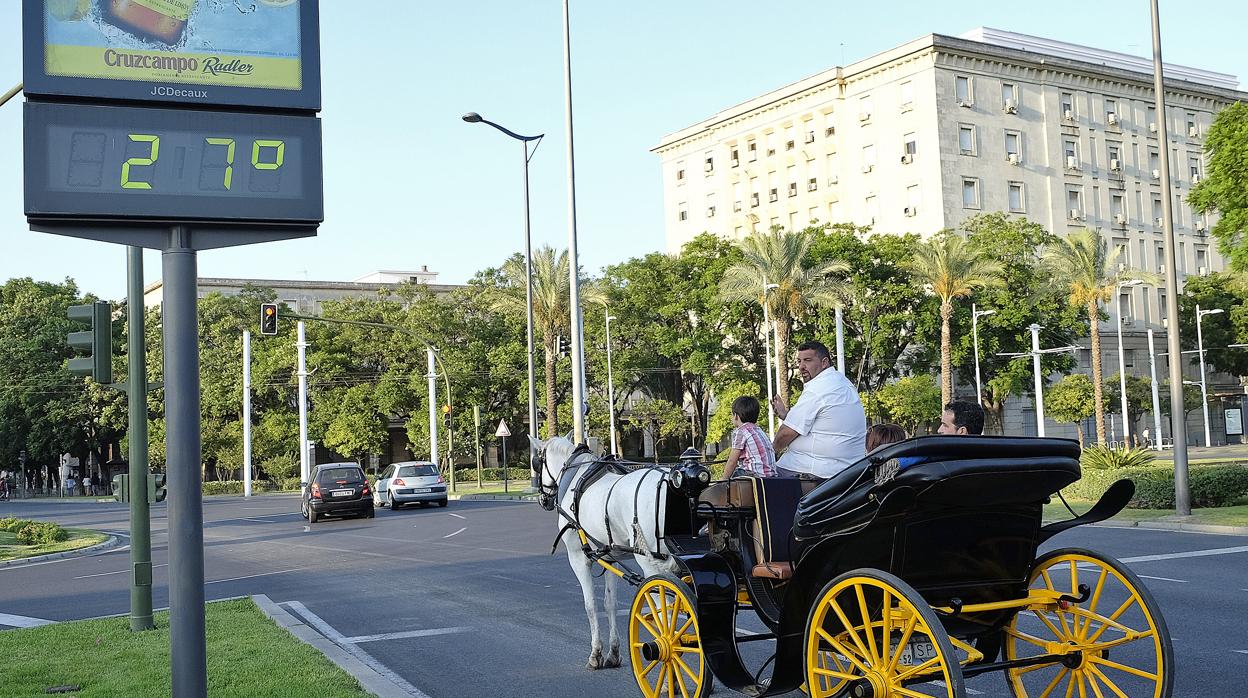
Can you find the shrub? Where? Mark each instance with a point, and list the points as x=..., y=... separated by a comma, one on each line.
x=1210, y=485
x=1106, y=458
x=13, y=524
x=41, y=533
x=491, y=474
x=281, y=467
x=223, y=487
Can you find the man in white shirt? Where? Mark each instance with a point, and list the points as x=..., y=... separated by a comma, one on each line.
x=825, y=432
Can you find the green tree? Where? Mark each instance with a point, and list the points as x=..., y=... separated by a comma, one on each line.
x=1072, y=399
x=911, y=401
x=659, y=419
x=720, y=424
x=1224, y=291
x=1090, y=268
x=780, y=257
x=1224, y=187
x=953, y=269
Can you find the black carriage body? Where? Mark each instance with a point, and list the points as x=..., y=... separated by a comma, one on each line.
x=961, y=522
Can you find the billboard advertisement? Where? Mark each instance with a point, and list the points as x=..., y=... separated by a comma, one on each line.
x=194, y=52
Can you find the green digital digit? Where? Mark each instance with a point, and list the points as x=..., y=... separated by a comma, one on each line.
x=229, y=157
x=255, y=154
x=150, y=160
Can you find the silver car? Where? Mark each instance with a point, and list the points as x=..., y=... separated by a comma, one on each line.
x=410, y=482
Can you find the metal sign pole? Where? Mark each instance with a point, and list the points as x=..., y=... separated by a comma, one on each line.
x=140, y=515
x=305, y=470
x=188, y=646
x=246, y=413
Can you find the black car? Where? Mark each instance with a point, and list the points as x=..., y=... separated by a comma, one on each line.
x=337, y=489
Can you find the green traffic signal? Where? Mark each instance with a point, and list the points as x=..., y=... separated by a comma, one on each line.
x=97, y=342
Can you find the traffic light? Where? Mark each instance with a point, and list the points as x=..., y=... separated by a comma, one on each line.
x=156, y=487
x=268, y=319
x=561, y=345
x=446, y=414
x=98, y=341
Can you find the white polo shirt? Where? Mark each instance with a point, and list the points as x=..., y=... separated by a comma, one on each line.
x=831, y=424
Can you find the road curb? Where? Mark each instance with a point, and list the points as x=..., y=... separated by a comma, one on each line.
x=1181, y=526
x=493, y=497
x=371, y=681
x=110, y=543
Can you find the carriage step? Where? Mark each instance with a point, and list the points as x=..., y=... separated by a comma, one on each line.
x=773, y=570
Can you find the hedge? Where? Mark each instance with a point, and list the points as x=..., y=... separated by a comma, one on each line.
x=1210, y=485
x=41, y=533
x=236, y=486
x=491, y=474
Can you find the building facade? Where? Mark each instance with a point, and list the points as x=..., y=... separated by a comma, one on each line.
x=925, y=135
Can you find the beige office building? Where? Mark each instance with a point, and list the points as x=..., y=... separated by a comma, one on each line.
x=925, y=135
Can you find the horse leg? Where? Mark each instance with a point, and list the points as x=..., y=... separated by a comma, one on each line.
x=613, y=656
x=583, y=567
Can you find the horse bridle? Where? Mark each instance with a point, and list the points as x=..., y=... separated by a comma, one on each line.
x=547, y=495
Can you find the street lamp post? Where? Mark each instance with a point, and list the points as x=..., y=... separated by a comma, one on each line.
x=771, y=411
x=1152, y=371
x=574, y=276
x=1122, y=363
x=475, y=118
x=1035, y=354
x=1200, y=351
x=975, y=316
x=610, y=386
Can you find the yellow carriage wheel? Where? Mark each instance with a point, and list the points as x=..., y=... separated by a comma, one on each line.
x=665, y=643
x=1114, y=642
x=863, y=633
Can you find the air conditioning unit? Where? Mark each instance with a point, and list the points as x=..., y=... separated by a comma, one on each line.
x=810, y=136
x=1115, y=165
x=813, y=184
x=736, y=206
x=1199, y=225
x=911, y=211
x=867, y=168
x=907, y=158
x=1111, y=119
x=1075, y=214
x=1193, y=132
x=864, y=115
x=710, y=211
x=1196, y=179
x=1157, y=222
x=773, y=196
x=736, y=162
x=1013, y=158
x=1127, y=320
x=753, y=200
x=792, y=188
x=1010, y=107
x=708, y=166
x=1072, y=162
x=1156, y=174
x=1069, y=114
x=1152, y=127
x=966, y=104
x=1161, y=269
x=832, y=129
x=1120, y=219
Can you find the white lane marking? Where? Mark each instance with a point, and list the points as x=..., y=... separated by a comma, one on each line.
x=337, y=638
x=23, y=621
x=105, y=574
x=1193, y=553
x=969, y=691
x=1164, y=579
x=250, y=576
x=1241, y=651
x=458, y=516
x=465, y=528
x=401, y=635
x=256, y=519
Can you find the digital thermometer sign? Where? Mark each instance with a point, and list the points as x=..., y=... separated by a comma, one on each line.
x=112, y=162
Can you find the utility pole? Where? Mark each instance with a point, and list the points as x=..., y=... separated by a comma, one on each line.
x=476, y=423
x=1035, y=354
x=1152, y=372
x=246, y=413
x=840, y=339
x=433, y=407
x=301, y=344
x=574, y=271
x=136, y=393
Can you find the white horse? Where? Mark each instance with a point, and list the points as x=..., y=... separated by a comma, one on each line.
x=614, y=502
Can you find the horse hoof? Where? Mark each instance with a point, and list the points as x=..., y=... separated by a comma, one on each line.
x=595, y=661
x=613, y=659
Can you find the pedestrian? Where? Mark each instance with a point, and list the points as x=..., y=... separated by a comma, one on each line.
x=86, y=486
x=825, y=432
x=751, y=453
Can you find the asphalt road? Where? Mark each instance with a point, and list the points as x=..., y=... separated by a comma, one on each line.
x=467, y=600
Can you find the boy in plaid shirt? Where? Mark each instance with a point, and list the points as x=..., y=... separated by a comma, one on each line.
x=751, y=452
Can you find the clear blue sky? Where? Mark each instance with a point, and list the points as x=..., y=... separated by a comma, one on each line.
x=407, y=183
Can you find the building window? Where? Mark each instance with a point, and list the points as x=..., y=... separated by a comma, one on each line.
x=791, y=173
x=864, y=108
x=1161, y=305
x=829, y=125
x=1202, y=261
x=1193, y=167
x=682, y=211
x=1118, y=209
x=1009, y=95
x=1154, y=163
x=1018, y=203
x=912, y=200
x=868, y=158
x=809, y=129
x=907, y=93
x=813, y=215
x=1074, y=203
x=970, y=192
x=753, y=192
x=680, y=173
x=873, y=209
x=709, y=164
x=1111, y=112
x=962, y=89
x=710, y=205
x=751, y=150
x=1152, y=119
x=1114, y=151
x=1192, y=129
x=736, y=158
x=909, y=148
x=773, y=195
x=966, y=139
x=1158, y=212
x=1068, y=106
x=1013, y=145
x=771, y=143
x=1070, y=149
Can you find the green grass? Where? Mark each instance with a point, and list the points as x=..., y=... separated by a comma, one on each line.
x=248, y=655
x=78, y=538
x=487, y=487
x=1218, y=516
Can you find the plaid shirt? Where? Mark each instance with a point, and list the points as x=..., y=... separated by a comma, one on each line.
x=756, y=453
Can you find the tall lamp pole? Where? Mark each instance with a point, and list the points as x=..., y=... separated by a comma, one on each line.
x=610, y=386
x=1035, y=355
x=1152, y=372
x=975, y=316
x=574, y=276
x=771, y=411
x=1122, y=362
x=1200, y=351
x=475, y=118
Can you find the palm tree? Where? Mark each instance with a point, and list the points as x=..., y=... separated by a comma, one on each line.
x=551, y=298
x=778, y=257
x=1086, y=260
x=952, y=269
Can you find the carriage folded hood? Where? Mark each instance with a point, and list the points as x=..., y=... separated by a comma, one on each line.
x=952, y=471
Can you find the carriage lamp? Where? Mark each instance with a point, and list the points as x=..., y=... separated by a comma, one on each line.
x=690, y=476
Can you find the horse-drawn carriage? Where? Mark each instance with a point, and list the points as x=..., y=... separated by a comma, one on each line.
x=890, y=581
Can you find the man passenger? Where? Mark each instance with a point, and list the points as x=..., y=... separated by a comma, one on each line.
x=825, y=432
x=962, y=418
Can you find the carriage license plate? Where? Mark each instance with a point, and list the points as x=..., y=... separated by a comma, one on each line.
x=916, y=652
x=342, y=493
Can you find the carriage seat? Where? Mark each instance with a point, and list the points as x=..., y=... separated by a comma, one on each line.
x=771, y=503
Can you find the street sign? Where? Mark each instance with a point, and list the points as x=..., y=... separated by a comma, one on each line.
x=185, y=52
x=1234, y=422
x=502, y=429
